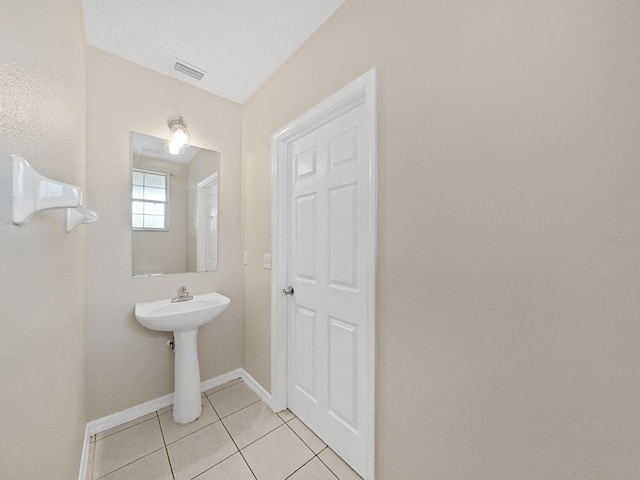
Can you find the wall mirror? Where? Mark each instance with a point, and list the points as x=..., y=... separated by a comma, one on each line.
x=174, y=208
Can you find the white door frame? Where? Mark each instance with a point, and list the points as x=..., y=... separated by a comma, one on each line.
x=361, y=91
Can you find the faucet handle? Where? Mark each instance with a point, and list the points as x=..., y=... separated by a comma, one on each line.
x=183, y=295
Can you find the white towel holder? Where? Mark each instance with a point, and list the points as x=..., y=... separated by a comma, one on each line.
x=33, y=192
x=78, y=216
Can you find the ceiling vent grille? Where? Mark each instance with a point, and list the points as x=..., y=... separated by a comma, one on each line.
x=188, y=70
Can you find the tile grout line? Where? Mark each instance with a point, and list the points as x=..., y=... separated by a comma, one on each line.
x=188, y=434
x=234, y=442
x=302, y=440
x=261, y=436
x=315, y=455
x=124, y=429
x=221, y=389
x=233, y=413
x=328, y=467
x=214, y=465
x=166, y=450
x=214, y=408
x=286, y=421
x=299, y=468
x=132, y=462
x=191, y=433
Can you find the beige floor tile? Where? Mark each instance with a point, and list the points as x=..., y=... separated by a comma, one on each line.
x=124, y=426
x=307, y=436
x=126, y=446
x=232, y=399
x=224, y=386
x=233, y=468
x=286, y=415
x=172, y=431
x=314, y=470
x=251, y=423
x=337, y=465
x=154, y=466
x=277, y=455
x=200, y=451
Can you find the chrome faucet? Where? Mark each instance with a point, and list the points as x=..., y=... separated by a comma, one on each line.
x=183, y=296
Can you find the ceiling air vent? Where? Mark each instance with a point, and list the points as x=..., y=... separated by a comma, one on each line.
x=188, y=70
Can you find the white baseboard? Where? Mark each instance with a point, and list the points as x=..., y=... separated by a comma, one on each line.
x=257, y=388
x=221, y=379
x=124, y=416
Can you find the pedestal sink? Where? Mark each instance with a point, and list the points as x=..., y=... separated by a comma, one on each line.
x=184, y=318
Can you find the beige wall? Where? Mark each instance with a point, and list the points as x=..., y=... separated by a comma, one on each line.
x=42, y=118
x=164, y=251
x=126, y=363
x=508, y=332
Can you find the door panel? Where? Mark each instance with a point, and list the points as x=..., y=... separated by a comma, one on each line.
x=305, y=219
x=343, y=236
x=305, y=340
x=343, y=372
x=329, y=248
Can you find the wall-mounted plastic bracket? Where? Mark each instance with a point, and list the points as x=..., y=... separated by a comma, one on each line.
x=33, y=192
x=78, y=216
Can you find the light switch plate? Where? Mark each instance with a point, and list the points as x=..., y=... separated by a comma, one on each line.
x=245, y=258
x=267, y=261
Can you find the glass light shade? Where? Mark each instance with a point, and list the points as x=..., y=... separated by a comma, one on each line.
x=174, y=148
x=179, y=137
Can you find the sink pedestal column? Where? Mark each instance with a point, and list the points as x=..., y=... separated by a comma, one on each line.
x=187, y=405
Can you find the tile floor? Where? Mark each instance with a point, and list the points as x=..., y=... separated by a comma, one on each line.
x=237, y=438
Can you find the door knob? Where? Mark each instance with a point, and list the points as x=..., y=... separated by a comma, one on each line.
x=288, y=290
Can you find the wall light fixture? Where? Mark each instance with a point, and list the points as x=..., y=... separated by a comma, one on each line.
x=179, y=137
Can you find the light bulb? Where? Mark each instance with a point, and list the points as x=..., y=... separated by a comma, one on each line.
x=180, y=137
x=175, y=147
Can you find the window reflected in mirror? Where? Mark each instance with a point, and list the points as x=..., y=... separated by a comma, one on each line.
x=149, y=200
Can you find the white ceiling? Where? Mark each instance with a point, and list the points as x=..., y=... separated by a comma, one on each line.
x=239, y=44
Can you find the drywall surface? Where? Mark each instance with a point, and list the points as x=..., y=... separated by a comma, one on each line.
x=126, y=363
x=42, y=118
x=509, y=234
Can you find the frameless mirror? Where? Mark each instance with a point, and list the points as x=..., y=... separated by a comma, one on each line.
x=174, y=208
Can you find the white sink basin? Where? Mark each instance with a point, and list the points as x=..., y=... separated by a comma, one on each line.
x=183, y=319
x=181, y=316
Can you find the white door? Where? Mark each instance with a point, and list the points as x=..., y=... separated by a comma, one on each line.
x=329, y=266
x=207, y=229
